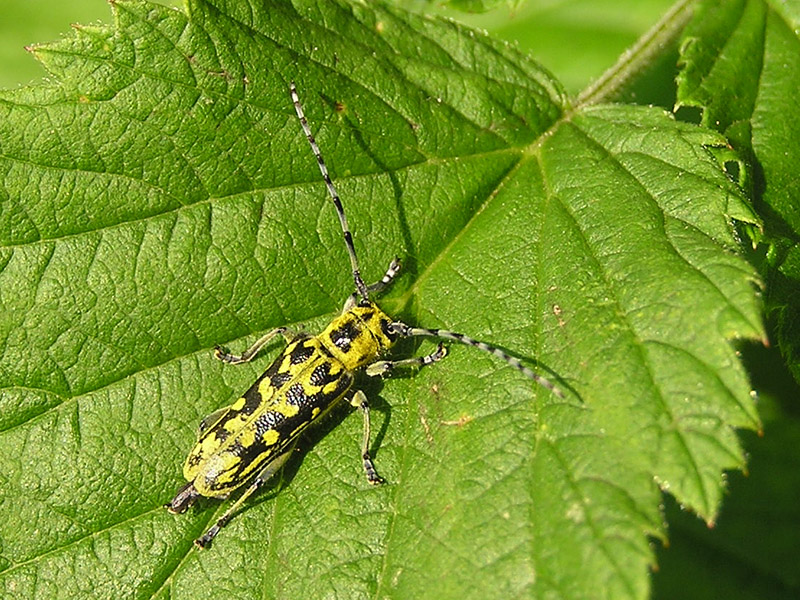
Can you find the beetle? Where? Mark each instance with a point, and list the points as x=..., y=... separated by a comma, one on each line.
x=250, y=440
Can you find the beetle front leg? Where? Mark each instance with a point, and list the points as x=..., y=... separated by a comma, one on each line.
x=383, y=367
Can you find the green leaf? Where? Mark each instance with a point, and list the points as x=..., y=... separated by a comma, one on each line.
x=750, y=553
x=160, y=199
x=741, y=64
x=483, y=5
x=22, y=22
x=740, y=61
x=580, y=39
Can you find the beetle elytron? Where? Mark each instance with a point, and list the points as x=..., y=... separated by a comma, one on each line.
x=251, y=439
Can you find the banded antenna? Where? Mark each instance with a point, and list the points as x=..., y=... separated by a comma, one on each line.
x=361, y=288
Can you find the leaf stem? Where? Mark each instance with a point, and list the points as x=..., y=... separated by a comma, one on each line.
x=636, y=58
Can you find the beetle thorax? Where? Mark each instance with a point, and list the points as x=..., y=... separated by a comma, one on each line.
x=358, y=336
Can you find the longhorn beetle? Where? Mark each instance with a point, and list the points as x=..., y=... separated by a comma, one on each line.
x=252, y=438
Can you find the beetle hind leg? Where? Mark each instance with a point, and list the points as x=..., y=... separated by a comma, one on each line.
x=272, y=467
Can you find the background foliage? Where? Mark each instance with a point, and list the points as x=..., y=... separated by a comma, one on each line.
x=80, y=441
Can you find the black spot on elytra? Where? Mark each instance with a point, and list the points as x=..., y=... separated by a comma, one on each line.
x=321, y=374
x=296, y=395
x=269, y=420
x=221, y=433
x=301, y=353
x=252, y=399
x=323, y=400
x=278, y=379
x=236, y=448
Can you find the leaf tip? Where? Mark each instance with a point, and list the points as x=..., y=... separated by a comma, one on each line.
x=654, y=565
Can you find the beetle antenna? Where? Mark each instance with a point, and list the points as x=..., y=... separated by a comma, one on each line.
x=361, y=288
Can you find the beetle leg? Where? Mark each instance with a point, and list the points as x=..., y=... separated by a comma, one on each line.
x=232, y=359
x=260, y=479
x=383, y=367
x=184, y=498
x=359, y=400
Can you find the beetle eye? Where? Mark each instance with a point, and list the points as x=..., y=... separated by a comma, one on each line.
x=388, y=329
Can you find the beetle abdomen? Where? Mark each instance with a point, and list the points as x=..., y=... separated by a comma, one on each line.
x=301, y=384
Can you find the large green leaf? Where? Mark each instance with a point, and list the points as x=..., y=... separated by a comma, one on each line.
x=160, y=198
